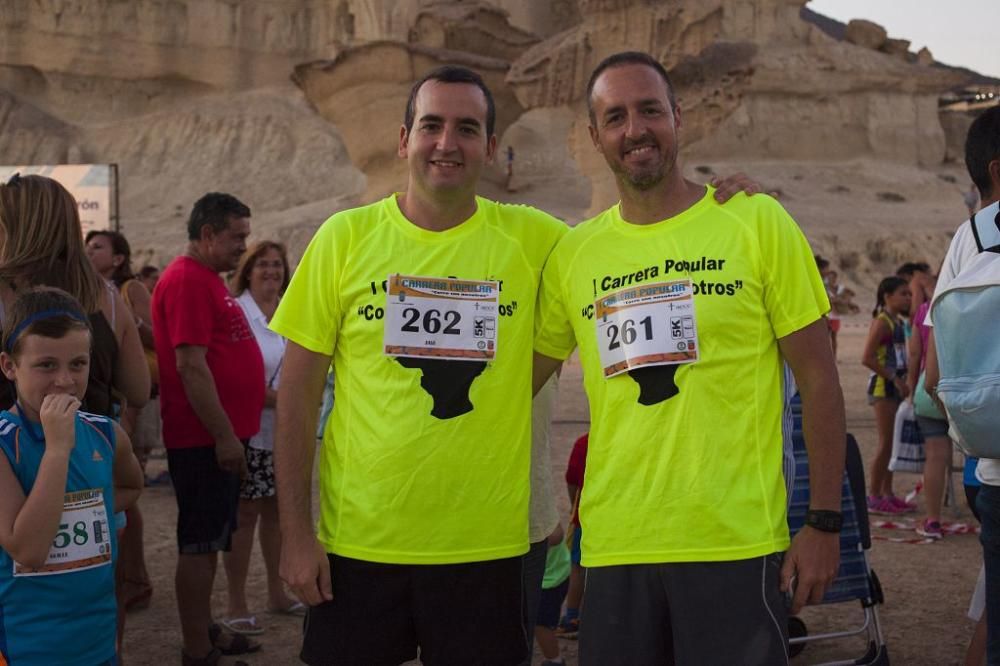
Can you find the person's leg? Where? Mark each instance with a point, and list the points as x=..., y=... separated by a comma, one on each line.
x=626, y=619
x=885, y=419
x=237, y=560
x=549, y=606
x=937, y=466
x=988, y=502
x=547, y=642
x=136, y=588
x=369, y=621
x=471, y=613
x=727, y=612
x=207, y=504
x=533, y=570
x=193, y=585
x=975, y=655
x=270, y=546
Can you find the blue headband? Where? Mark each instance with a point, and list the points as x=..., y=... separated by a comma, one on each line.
x=38, y=316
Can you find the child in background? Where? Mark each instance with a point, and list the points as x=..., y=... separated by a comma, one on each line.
x=63, y=476
x=569, y=626
x=885, y=356
x=555, y=583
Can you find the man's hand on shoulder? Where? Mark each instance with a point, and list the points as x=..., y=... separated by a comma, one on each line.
x=812, y=562
x=729, y=186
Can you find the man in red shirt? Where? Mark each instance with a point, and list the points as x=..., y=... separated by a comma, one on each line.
x=211, y=397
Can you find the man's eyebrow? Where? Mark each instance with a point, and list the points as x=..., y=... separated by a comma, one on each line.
x=430, y=117
x=649, y=101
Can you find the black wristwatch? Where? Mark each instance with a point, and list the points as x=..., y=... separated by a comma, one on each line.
x=824, y=521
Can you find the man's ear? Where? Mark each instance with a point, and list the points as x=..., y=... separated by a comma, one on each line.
x=404, y=138
x=594, y=137
x=993, y=168
x=491, y=148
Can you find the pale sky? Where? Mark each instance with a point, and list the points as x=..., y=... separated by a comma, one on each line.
x=959, y=32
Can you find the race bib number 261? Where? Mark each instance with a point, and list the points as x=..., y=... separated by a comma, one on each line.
x=650, y=324
x=442, y=318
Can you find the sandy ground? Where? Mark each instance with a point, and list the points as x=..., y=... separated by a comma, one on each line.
x=927, y=587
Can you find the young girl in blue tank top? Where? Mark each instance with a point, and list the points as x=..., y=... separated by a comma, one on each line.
x=885, y=356
x=63, y=475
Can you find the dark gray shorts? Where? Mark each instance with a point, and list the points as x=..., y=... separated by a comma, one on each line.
x=685, y=613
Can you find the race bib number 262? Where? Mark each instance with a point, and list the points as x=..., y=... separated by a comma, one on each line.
x=441, y=318
x=650, y=324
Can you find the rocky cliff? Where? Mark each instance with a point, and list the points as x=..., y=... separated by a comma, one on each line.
x=296, y=104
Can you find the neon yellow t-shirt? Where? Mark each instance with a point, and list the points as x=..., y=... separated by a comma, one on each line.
x=695, y=473
x=397, y=484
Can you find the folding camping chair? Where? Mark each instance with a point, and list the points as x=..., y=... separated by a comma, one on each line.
x=855, y=581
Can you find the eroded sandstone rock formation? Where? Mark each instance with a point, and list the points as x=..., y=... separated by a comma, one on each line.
x=296, y=104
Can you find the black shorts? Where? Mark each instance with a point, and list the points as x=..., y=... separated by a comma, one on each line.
x=461, y=614
x=550, y=608
x=685, y=613
x=207, y=500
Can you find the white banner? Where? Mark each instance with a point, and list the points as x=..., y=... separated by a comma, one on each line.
x=92, y=185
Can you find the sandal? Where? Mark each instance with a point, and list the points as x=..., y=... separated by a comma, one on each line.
x=296, y=608
x=246, y=626
x=210, y=659
x=237, y=644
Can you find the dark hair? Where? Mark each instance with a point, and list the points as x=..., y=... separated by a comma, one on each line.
x=982, y=146
x=57, y=314
x=909, y=268
x=214, y=210
x=148, y=270
x=119, y=245
x=452, y=74
x=886, y=287
x=240, y=281
x=627, y=58
x=821, y=263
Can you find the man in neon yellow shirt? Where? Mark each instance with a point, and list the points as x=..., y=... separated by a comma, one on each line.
x=426, y=457
x=682, y=310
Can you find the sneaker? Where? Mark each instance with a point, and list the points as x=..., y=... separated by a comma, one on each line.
x=904, y=506
x=568, y=628
x=930, y=529
x=883, y=506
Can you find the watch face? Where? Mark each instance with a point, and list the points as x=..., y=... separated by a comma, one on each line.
x=825, y=521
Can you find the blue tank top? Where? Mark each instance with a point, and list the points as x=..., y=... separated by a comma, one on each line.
x=65, y=613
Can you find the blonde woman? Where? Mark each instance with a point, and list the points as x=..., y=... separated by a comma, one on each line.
x=260, y=279
x=42, y=244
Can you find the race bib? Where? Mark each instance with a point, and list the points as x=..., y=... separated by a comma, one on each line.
x=442, y=318
x=652, y=324
x=83, y=540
